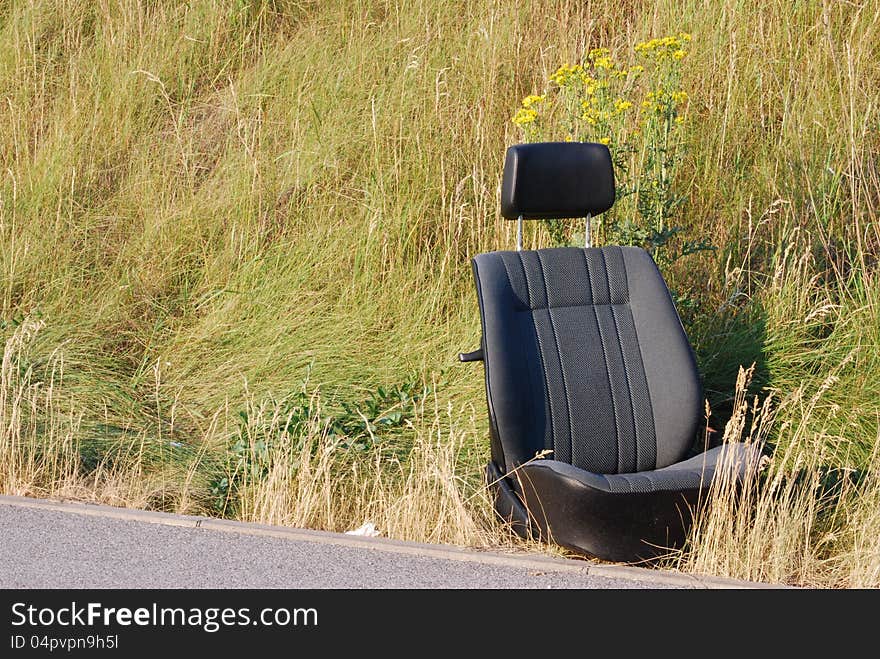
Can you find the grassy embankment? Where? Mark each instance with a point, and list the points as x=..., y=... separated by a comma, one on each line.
x=222, y=230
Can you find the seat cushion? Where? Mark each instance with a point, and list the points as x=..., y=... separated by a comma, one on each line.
x=695, y=473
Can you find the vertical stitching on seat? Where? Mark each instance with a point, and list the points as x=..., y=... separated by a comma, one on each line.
x=623, y=359
x=607, y=276
x=589, y=278
x=605, y=358
x=526, y=277
x=641, y=361
x=522, y=264
x=559, y=356
x=628, y=385
x=510, y=279
x=625, y=292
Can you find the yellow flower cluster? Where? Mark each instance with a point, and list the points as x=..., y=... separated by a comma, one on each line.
x=603, y=91
x=593, y=116
x=600, y=58
x=532, y=100
x=635, y=107
x=525, y=116
x=567, y=73
x=528, y=113
x=664, y=48
x=599, y=62
x=589, y=114
x=661, y=100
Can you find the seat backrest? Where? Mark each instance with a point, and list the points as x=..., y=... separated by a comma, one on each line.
x=584, y=353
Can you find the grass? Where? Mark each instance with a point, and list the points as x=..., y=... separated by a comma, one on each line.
x=203, y=206
x=799, y=521
x=290, y=463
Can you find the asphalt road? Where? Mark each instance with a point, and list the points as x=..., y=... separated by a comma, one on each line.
x=59, y=545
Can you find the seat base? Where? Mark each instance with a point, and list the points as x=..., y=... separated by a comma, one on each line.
x=620, y=527
x=615, y=517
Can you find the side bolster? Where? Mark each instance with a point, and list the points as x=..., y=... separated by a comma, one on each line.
x=670, y=366
x=513, y=393
x=497, y=452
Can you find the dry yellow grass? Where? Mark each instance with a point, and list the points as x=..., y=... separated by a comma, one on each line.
x=432, y=495
x=200, y=202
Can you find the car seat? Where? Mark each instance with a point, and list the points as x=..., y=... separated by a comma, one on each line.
x=586, y=360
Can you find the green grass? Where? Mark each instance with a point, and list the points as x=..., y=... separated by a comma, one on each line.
x=205, y=205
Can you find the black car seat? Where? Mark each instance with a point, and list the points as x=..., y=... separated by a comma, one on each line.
x=586, y=359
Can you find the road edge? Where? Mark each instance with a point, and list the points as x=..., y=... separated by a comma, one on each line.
x=448, y=552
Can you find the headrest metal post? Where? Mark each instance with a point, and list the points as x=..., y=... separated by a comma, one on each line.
x=588, y=238
x=519, y=233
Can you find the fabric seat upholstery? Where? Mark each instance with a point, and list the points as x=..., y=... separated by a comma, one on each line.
x=585, y=356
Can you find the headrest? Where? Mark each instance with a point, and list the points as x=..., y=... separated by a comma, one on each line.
x=556, y=180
